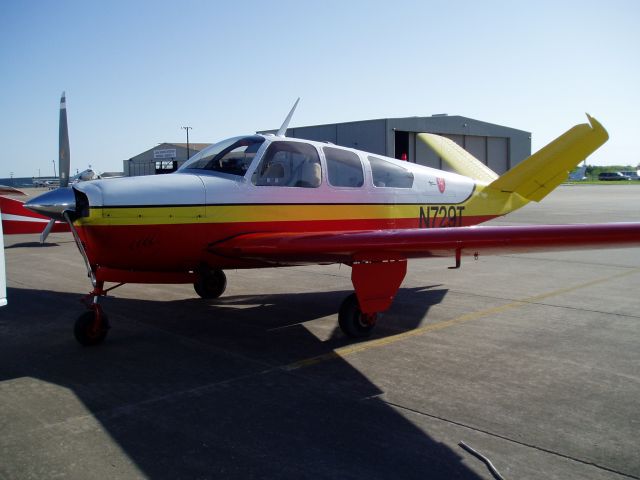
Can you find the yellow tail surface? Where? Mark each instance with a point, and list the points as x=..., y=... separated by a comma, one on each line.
x=535, y=177
x=458, y=158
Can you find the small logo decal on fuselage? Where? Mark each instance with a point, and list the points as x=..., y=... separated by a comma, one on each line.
x=441, y=184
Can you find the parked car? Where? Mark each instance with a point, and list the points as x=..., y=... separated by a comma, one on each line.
x=631, y=175
x=609, y=176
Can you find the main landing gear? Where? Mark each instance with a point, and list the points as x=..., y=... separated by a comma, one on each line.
x=211, y=283
x=352, y=321
x=376, y=279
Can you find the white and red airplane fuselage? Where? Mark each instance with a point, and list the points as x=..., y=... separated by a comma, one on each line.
x=265, y=200
x=175, y=222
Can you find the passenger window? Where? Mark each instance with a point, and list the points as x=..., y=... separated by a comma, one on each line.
x=289, y=164
x=344, y=168
x=387, y=174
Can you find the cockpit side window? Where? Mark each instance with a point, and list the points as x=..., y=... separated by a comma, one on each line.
x=387, y=174
x=232, y=156
x=289, y=164
x=344, y=168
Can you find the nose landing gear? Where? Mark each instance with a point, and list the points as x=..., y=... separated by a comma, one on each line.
x=92, y=326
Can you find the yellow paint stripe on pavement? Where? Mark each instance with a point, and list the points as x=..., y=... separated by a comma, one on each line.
x=381, y=342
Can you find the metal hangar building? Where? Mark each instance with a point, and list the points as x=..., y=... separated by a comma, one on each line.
x=498, y=147
x=163, y=158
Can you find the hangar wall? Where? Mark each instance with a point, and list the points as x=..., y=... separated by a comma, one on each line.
x=496, y=146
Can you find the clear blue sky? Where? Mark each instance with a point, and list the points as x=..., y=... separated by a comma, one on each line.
x=136, y=71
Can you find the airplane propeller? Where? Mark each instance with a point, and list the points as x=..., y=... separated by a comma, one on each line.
x=64, y=160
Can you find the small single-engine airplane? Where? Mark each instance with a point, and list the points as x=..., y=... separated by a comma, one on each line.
x=270, y=201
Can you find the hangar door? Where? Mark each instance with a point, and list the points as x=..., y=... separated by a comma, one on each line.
x=498, y=154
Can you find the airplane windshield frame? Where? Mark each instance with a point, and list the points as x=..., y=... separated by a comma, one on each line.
x=232, y=156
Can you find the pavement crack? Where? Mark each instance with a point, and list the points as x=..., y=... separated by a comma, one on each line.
x=508, y=439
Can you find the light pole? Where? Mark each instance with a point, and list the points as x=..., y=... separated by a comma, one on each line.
x=54, y=168
x=187, y=129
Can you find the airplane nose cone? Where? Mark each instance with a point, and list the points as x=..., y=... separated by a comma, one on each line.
x=52, y=204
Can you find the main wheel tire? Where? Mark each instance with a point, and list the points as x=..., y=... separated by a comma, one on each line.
x=211, y=284
x=352, y=321
x=85, y=329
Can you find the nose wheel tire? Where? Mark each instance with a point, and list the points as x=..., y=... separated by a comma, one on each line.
x=352, y=321
x=211, y=284
x=90, y=330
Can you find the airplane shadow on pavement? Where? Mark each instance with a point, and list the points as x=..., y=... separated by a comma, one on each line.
x=200, y=389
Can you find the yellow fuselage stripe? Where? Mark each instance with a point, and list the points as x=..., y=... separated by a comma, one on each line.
x=482, y=203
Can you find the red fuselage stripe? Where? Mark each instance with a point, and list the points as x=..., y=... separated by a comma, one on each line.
x=183, y=247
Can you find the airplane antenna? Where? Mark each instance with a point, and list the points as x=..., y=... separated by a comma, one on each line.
x=285, y=124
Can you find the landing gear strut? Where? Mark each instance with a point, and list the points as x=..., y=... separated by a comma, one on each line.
x=376, y=279
x=210, y=283
x=91, y=327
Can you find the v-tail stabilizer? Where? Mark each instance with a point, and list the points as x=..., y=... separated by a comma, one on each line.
x=458, y=158
x=537, y=176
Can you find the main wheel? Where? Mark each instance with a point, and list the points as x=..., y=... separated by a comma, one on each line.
x=211, y=284
x=87, y=332
x=352, y=321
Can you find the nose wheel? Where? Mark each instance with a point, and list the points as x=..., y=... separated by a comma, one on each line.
x=91, y=327
x=353, y=322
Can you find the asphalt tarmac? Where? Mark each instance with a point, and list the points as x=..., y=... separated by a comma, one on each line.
x=533, y=360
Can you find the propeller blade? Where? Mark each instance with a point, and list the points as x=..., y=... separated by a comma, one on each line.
x=47, y=230
x=64, y=162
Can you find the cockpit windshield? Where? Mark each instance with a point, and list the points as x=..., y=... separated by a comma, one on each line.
x=232, y=156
